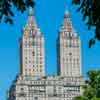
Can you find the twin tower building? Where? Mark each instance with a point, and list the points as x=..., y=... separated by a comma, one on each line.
x=32, y=83
x=33, y=55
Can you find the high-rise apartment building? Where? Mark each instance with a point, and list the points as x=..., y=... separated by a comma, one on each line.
x=32, y=83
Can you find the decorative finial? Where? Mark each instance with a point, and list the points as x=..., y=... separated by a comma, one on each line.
x=30, y=11
x=66, y=11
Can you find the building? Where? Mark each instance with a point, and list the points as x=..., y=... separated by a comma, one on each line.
x=32, y=49
x=68, y=50
x=32, y=83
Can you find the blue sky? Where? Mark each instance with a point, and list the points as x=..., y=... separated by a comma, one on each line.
x=49, y=15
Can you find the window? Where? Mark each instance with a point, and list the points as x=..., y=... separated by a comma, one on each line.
x=26, y=58
x=36, y=44
x=21, y=89
x=77, y=60
x=35, y=98
x=40, y=65
x=22, y=94
x=40, y=70
x=33, y=53
x=40, y=62
x=70, y=53
x=67, y=33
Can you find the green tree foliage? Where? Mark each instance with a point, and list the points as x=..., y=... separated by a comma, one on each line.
x=90, y=10
x=6, y=8
x=92, y=87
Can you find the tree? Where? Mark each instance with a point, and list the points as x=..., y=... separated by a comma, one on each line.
x=92, y=87
x=91, y=14
x=6, y=8
x=79, y=98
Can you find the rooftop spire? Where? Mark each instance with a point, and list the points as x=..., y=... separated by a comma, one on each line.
x=31, y=19
x=67, y=24
x=30, y=11
x=66, y=14
x=31, y=22
x=30, y=14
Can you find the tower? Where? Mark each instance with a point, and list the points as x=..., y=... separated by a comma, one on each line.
x=32, y=49
x=68, y=50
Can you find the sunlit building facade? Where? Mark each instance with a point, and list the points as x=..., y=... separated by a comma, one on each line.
x=32, y=49
x=68, y=50
x=32, y=83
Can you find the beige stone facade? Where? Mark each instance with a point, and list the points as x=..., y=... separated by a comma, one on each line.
x=45, y=88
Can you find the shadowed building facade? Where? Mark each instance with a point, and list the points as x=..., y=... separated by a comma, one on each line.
x=32, y=83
